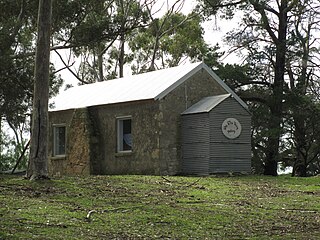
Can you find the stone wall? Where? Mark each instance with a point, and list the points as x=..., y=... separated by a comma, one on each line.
x=80, y=143
x=58, y=165
x=200, y=85
x=145, y=118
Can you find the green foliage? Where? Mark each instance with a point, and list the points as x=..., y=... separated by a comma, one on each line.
x=99, y=30
x=5, y=160
x=235, y=75
x=95, y=27
x=302, y=125
x=69, y=16
x=168, y=41
x=144, y=207
x=15, y=68
x=17, y=50
x=224, y=9
x=10, y=151
x=17, y=25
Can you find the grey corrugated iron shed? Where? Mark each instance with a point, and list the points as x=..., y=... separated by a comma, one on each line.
x=205, y=148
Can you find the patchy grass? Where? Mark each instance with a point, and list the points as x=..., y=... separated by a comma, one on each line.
x=148, y=207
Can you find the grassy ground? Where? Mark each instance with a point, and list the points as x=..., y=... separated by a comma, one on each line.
x=145, y=207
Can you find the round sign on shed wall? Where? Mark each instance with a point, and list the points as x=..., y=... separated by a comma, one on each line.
x=231, y=128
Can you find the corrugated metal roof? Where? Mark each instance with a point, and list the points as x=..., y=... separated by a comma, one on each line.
x=206, y=104
x=152, y=85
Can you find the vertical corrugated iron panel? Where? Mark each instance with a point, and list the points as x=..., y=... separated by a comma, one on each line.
x=230, y=105
x=229, y=155
x=195, y=144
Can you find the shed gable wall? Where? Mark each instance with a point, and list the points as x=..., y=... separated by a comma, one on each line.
x=230, y=155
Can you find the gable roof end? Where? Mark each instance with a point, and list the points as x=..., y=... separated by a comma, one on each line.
x=226, y=87
x=187, y=72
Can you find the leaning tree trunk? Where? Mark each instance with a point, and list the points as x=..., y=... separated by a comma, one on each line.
x=38, y=162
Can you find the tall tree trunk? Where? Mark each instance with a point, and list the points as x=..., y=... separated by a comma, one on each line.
x=100, y=63
x=0, y=136
x=122, y=38
x=300, y=165
x=121, y=55
x=272, y=150
x=154, y=54
x=38, y=162
x=299, y=169
x=299, y=113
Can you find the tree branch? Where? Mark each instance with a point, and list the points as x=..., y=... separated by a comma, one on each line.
x=261, y=10
x=252, y=97
x=255, y=82
x=216, y=6
x=70, y=70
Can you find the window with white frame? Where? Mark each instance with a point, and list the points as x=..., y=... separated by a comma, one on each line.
x=124, y=136
x=59, y=140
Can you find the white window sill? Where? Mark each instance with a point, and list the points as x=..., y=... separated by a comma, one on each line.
x=59, y=157
x=123, y=153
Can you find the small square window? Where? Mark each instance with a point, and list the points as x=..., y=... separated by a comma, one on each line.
x=124, y=138
x=59, y=140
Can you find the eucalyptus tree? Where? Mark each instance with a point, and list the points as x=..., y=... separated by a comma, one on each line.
x=17, y=50
x=168, y=40
x=300, y=90
x=264, y=36
x=272, y=35
x=302, y=93
x=15, y=61
x=38, y=163
x=103, y=30
x=114, y=33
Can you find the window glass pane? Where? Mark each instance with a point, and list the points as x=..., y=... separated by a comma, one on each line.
x=127, y=139
x=59, y=140
x=124, y=135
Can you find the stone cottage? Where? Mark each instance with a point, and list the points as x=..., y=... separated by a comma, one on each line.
x=132, y=125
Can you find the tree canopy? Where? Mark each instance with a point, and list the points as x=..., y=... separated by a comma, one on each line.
x=279, y=77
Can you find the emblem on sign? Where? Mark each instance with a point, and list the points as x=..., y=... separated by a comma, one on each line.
x=231, y=128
